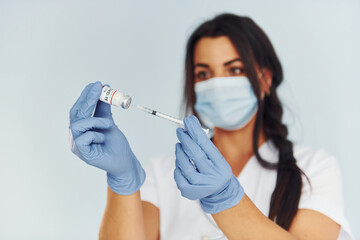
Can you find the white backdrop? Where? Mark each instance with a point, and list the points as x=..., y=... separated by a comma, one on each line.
x=49, y=50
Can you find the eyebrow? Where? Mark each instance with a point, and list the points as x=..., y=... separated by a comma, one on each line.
x=225, y=64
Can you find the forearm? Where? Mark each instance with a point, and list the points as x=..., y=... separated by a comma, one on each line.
x=123, y=218
x=246, y=221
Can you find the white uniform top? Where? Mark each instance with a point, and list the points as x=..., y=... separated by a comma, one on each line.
x=181, y=218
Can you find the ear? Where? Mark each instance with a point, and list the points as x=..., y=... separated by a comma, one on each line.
x=265, y=80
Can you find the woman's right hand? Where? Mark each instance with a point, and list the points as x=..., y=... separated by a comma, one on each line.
x=100, y=143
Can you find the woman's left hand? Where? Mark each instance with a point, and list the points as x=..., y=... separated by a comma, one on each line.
x=212, y=181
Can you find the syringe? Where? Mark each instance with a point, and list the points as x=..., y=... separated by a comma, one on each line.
x=116, y=98
x=167, y=117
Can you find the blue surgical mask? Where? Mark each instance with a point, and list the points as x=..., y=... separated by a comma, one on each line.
x=225, y=102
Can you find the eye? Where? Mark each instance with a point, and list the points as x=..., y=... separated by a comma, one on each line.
x=236, y=71
x=202, y=75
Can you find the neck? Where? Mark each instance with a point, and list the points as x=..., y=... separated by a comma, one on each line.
x=237, y=145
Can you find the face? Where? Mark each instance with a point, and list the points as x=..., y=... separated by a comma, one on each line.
x=217, y=57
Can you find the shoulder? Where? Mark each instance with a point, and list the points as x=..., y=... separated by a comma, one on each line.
x=322, y=175
x=309, y=160
x=315, y=161
x=323, y=191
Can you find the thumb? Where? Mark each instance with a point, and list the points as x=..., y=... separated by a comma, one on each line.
x=193, y=127
x=103, y=109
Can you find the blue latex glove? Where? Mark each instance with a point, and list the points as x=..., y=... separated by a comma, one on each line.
x=100, y=143
x=212, y=181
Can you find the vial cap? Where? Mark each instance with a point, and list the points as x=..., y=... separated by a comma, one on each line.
x=126, y=102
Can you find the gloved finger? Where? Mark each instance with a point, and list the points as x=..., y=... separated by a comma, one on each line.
x=192, y=192
x=85, y=141
x=193, y=127
x=103, y=109
x=187, y=168
x=87, y=105
x=91, y=123
x=75, y=107
x=193, y=151
x=180, y=180
x=200, y=191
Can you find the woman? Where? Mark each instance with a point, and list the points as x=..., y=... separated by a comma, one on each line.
x=247, y=181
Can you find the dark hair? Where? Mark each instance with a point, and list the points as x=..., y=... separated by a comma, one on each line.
x=253, y=45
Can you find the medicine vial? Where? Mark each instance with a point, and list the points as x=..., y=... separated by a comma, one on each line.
x=114, y=97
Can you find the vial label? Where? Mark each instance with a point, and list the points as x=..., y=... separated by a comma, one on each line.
x=107, y=94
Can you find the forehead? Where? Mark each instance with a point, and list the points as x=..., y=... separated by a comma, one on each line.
x=214, y=50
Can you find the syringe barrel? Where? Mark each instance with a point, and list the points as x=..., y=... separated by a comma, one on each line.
x=114, y=97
